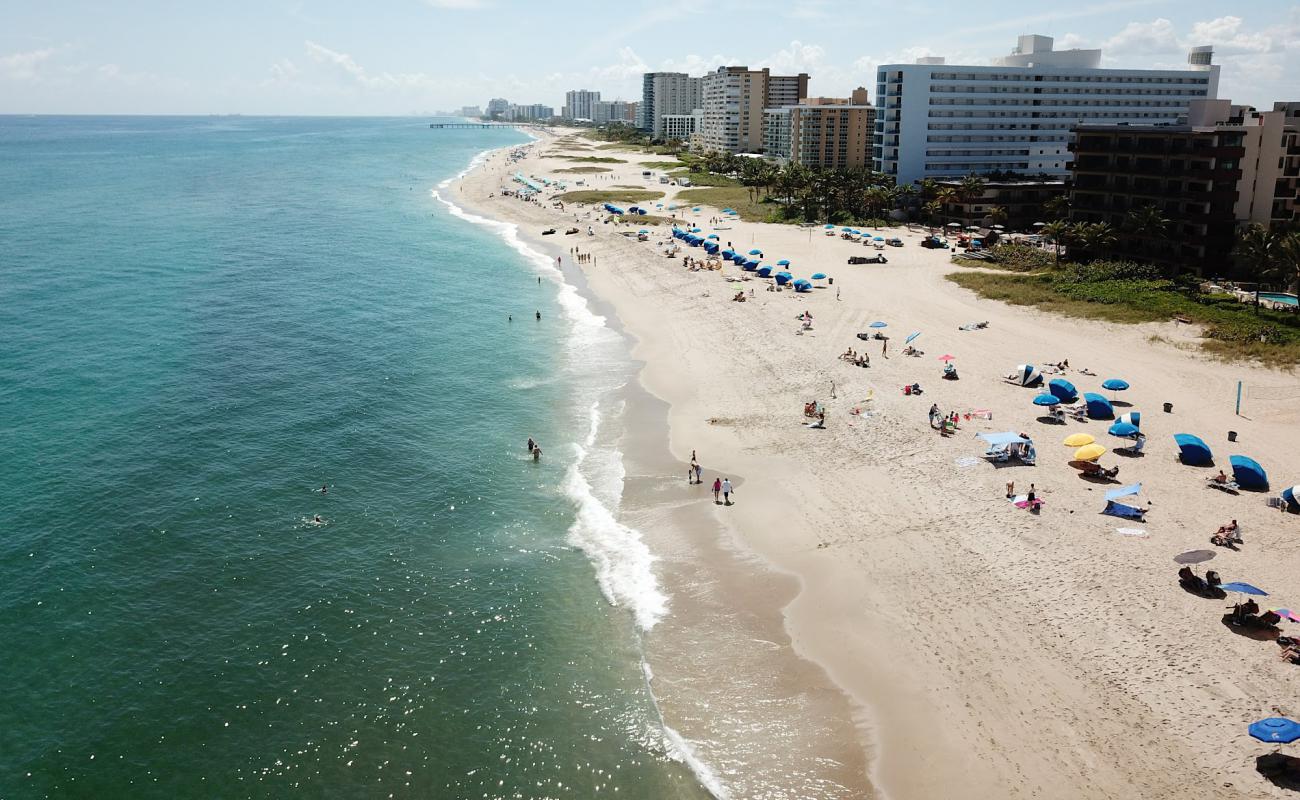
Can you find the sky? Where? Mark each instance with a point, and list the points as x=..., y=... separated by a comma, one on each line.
x=398, y=57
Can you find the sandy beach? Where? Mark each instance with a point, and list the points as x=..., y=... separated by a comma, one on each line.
x=872, y=617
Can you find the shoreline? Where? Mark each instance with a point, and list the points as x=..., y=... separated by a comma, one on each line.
x=1037, y=647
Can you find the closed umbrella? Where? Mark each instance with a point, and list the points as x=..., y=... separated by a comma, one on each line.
x=1078, y=440
x=1047, y=400
x=1089, y=452
x=910, y=337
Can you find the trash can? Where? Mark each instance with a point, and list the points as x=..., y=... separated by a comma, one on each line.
x=1232, y=436
x=1169, y=408
x=830, y=281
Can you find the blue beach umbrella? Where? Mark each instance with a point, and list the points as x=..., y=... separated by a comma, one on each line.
x=1248, y=473
x=1244, y=588
x=1114, y=384
x=765, y=271
x=829, y=227
x=785, y=262
x=697, y=208
x=756, y=252
x=803, y=285
x=1098, y=407
x=1123, y=429
x=728, y=211
x=819, y=276
x=878, y=324
x=750, y=265
x=782, y=278
x=1279, y=730
x=910, y=337
x=1063, y=389
x=712, y=236
x=695, y=230
x=1047, y=400
x=879, y=239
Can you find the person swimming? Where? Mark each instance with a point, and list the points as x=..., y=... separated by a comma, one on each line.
x=539, y=315
x=317, y=520
x=324, y=489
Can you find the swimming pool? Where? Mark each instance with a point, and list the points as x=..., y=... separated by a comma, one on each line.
x=1276, y=297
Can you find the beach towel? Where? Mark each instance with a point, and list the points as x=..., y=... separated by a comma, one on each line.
x=1131, y=532
x=1022, y=501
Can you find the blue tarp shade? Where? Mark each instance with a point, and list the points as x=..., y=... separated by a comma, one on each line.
x=1192, y=450
x=1291, y=495
x=1098, y=406
x=1064, y=390
x=1248, y=473
x=1124, y=491
x=998, y=439
x=1120, y=510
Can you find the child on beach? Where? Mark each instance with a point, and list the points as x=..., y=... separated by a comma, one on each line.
x=717, y=487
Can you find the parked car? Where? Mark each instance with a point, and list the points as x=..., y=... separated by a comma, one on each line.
x=878, y=258
x=895, y=242
x=934, y=243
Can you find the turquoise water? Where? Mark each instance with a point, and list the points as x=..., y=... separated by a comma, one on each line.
x=1288, y=299
x=204, y=321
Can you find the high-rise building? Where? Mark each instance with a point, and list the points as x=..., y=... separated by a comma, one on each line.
x=497, y=107
x=534, y=112
x=938, y=120
x=473, y=112
x=833, y=132
x=681, y=127
x=578, y=104
x=665, y=93
x=733, y=100
x=606, y=112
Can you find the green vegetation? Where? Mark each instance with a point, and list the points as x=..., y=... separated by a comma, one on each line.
x=584, y=170
x=1011, y=258
x=704, y=178
x=1124, y=291
x=595, y=159
x=609, y=196
x=663, y=165
x=737, y=197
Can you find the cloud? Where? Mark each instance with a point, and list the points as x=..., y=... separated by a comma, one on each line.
x=27, y=66
x=1157, y=37
x=1226, y=35
x=457, y=5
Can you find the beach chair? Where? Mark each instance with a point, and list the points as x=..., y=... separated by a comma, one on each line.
x=998, y=454
x=1230, y=487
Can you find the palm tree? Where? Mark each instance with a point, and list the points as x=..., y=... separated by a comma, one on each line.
x=1290, y=249
x=929, y=188
x=1057, y=207
x=1258, y=252
x=931, y=211
x=998, y=214
x=970, y=188
x=1092, y=237
x=1056, y=232
x=1146, y=223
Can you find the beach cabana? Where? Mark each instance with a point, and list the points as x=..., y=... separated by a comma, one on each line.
x=1063, y=389
x=1027, y=375
x=1117, y=509
x=1098, y=406
x=1291, y=496
x=765, y=272
x=782, y=278
x=1248, y=473
x=803, y=285
x=1192, y=449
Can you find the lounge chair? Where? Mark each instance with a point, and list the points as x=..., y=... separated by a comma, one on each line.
x=1224, y=486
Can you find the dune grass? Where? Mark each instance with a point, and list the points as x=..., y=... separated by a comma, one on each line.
x=663, y=165
x=609, y=196
x=595, y=159
x=736, y=197
x=704, y=178
x=1232, y=330
x=584, y=170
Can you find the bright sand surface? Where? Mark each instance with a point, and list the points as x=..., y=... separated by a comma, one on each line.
x=872, y=617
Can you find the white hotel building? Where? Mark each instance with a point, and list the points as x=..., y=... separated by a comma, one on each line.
x=938, y=120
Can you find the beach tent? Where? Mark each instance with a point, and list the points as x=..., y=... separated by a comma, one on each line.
x=1192, y=450
x=1291, y=495
x=750, y=265
x=1133, y=418
x=803, y=285
x=1248, y=473
x=710, y=247
x=765, y=272
x=1117, y=509
x=1028, y=375
x=738, y=258
x=782, y=278
x=1098, y=406
x=1064, y=390
x=728, y=253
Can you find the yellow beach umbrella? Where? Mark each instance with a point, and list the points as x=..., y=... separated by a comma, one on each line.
x=1078, y=440
x=1090, y=452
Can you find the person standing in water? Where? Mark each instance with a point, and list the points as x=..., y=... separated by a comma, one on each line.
x=537, y=453
x=539, y=315
x=531, y=444
x=726, y=491
x=717, y=487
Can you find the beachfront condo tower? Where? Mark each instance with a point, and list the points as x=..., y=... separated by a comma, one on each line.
x=1014, y=115
x=663, y=94
x=580, y=104
x=734, y=100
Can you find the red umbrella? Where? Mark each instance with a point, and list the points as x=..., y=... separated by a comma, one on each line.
x=946, y=357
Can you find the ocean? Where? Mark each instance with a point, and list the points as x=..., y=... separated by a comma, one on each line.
x=204, y=322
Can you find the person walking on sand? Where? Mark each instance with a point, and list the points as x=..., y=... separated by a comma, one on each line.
x=717, y=487
x=884, y=347
x=699, y=473
x=726, y=491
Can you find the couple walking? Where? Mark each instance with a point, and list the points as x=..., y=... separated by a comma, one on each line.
x=722, y=485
